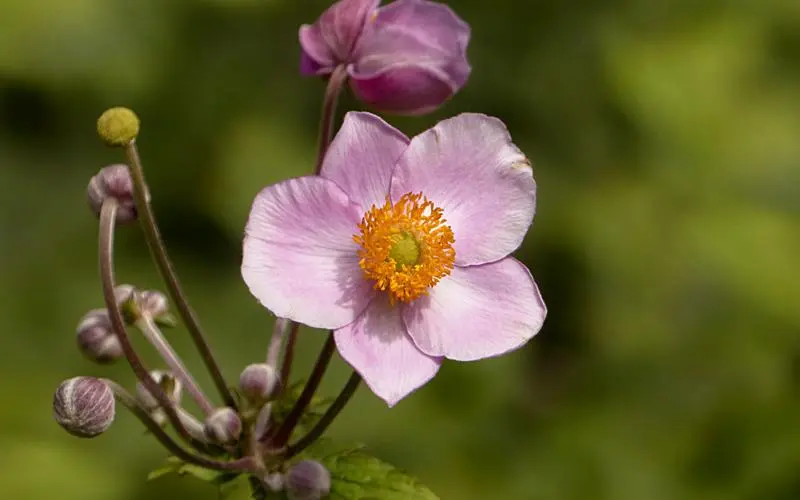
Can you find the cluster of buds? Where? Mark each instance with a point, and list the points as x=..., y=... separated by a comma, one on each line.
x=408, y=57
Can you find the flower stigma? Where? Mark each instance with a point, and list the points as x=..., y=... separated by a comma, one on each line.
x=406, y=247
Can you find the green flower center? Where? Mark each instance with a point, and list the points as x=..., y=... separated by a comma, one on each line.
x=405, y=250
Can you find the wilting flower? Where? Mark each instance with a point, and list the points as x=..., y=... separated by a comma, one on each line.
x=403, y=248
x=407, y=57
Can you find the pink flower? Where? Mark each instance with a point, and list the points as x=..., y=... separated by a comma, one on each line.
x=407, y=57
x=402, y=247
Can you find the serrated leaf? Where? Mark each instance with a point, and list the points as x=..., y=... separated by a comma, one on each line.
x=356, y=475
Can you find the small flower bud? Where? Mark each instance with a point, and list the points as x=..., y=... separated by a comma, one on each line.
x=153, y=303
x=118, y=126
x=258, y=382
x=123, y=293
x=308, y=480
x=223, y=426
x=137, y=303
x=274, y=481
x=84, y=406
x=167, y=381
x=96, y=338
x=113, y=181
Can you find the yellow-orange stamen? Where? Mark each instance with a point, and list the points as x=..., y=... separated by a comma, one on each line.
x=406, y=247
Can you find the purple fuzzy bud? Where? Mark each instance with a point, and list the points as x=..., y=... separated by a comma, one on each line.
x=223, y=426
x=258, y=383
x=113, y=181
x=96, y=338
x=84, y=406
x=308, y=480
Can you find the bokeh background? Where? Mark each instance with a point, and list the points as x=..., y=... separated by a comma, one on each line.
x=666, y=142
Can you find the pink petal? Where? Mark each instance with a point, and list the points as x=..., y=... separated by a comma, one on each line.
x=316, y=56
x=300, y=260
x=377, y=347
x=469, y=167
x=410, y=90
x=415, y=32
x=343, y=23
x=477, y=312
x=362, y=156
x=412, y=58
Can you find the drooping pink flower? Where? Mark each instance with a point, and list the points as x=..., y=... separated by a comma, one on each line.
x=407, y=57
x=402, y=247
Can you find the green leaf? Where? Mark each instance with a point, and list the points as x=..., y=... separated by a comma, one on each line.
x=356, y=475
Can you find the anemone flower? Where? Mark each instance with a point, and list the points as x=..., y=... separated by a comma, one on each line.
x=402, y=248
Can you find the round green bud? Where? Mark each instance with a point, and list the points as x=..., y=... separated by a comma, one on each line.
x=118, y=126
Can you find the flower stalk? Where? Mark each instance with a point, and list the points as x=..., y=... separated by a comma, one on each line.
x=152, y=333
x=245, y=464
x=327, y=418
x=159, y=253
x=284, y=432
x=108, y=215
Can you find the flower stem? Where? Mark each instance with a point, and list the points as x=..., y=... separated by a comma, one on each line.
x=147, y=326
x=245, y=464
x=108, y=216
x=276, y=341
x=322, y=425
x=284, y=432
x=288, y=354
x=333, y=90
x=159, y=253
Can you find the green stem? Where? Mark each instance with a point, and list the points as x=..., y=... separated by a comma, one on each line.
x=159, y=253
x=246, y=464
x=322, y=425
x=108, y=216
x=284, y=432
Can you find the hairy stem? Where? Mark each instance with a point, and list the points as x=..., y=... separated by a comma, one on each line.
x=159, y=253
x=284, y=432
x=245, y=464
x=153, y=334
x=322, y=425
x=108, y=216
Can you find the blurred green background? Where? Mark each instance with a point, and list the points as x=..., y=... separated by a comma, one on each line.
x=666, y=142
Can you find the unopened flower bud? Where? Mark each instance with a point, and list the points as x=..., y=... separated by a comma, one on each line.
x=258, y=383
x=274, y=481
x=136, y=303
x=123, y=293
x=96, y=338
x=171, y=385
x=156, y=305
x=113, y=181
x=223, y=426
x=118, y=126
x=308, y=480
x=84, y=406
